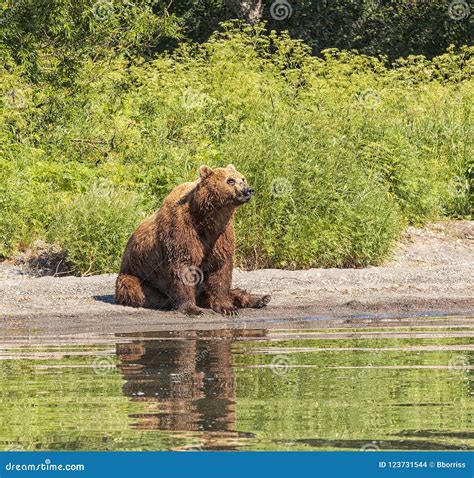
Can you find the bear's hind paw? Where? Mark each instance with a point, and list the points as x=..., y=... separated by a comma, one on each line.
x=262, y=301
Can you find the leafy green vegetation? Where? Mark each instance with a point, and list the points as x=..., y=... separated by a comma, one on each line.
x=51, y=37
x=343, y=150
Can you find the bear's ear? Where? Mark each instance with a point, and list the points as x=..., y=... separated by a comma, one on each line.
x=205, y=171
x=231, y=166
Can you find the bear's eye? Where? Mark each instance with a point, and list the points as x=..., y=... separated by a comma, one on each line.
x=231, y=181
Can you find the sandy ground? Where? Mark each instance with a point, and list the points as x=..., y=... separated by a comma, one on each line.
x=431, y=274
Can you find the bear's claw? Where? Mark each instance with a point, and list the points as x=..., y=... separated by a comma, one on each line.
x=228, y=311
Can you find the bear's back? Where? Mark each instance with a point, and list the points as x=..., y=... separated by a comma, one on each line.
x=179, y=194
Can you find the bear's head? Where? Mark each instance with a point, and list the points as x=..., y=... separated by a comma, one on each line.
x=226, y=185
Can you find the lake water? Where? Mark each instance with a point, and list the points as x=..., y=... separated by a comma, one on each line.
x=370, y=388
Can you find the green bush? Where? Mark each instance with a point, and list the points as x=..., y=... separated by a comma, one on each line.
x=94, y=226
x=396, y=28
x=343, y=150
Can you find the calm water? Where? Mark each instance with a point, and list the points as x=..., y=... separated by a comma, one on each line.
x=247, y=389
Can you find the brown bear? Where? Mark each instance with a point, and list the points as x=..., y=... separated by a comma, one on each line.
x=181, y=257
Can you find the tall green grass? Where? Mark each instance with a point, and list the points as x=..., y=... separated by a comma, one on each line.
x=343, y=150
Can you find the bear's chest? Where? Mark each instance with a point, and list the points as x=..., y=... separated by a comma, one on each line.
x=215, y=255
x=213, y=259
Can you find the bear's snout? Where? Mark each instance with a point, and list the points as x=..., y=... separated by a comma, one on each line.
x=245, y=194
x=248, y=192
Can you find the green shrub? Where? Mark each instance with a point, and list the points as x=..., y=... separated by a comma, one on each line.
x=343, y=150
x=94, y=226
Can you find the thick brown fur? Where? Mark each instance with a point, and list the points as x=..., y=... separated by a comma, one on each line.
x=181, y=257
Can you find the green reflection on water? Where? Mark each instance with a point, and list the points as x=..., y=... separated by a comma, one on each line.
x=241, y=389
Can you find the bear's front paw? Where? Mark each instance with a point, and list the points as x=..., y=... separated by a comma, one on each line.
x=226, y=308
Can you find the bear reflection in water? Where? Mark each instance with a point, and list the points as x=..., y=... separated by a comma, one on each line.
x=187, y=380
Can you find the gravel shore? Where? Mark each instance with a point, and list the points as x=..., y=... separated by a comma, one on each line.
x=430, y=274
